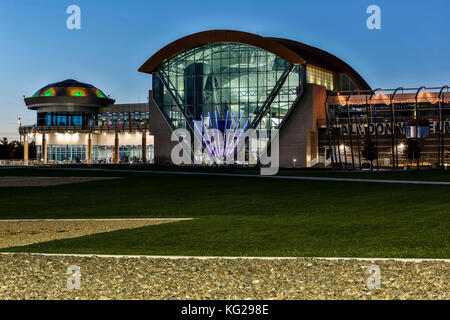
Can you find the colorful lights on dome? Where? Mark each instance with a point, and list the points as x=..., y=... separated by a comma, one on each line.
x=69, y=88
x=49, y=93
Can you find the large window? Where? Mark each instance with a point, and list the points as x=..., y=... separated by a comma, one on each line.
x=122, y=118
x=66, y=153
x=63, y=119
x=320, y=76
x=226, y=85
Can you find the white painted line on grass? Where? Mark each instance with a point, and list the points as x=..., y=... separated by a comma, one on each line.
x=416, y=182
x=415, y=260
x=95, y=219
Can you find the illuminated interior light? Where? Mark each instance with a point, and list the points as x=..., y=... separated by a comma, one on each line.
x=49, y=93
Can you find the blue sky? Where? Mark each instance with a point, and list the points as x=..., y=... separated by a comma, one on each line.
x=117, y=37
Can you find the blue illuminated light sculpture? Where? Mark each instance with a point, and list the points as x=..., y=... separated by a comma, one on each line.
x=219, y=149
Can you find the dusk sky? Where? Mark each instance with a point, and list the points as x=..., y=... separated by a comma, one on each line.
x=117, y=37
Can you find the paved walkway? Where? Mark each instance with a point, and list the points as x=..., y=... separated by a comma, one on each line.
x=442, y=183
x=131, y=256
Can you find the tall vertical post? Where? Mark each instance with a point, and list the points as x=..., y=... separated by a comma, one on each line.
x=144, y=147
x=350, y=130
x=116, y=147
x=416, y=117
x=441, y=128
x=44, y=148
x=332, y=146
x=25, y=149
x=89, y=149
x=393, y=136
x=394, y=129
x=350, y=127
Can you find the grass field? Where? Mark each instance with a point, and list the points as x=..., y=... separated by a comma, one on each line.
x=242, y=216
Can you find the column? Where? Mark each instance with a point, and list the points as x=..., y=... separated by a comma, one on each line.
x=25, y=149
x=89, y=149
x=44, y=148
x=144, y=147
x=116, y=148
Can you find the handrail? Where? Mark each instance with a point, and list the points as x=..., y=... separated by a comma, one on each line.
x=82, y=129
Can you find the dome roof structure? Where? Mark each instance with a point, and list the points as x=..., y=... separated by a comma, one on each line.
x=69, y=88
x=68, y=93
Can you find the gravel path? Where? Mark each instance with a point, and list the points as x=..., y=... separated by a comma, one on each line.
x=22, y=232
x=46, y=181
x=26, y=276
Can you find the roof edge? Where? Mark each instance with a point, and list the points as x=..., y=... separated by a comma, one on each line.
x=324, y=59
x=217, y=36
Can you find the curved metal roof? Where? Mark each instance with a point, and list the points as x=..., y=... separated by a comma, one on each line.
x=292, y=51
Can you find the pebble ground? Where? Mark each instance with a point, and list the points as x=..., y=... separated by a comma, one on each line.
x=26, y=276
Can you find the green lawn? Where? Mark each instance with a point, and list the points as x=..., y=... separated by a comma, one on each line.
x=244, y=216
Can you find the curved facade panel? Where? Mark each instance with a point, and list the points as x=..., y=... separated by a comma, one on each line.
x=226, y=86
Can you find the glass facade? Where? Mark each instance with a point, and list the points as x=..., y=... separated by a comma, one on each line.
x=121, y=118
x=91, y=119
x=62, y=119
x=64, y=153
x=344, y=83
x=100, y=154
x=320, y=76
x=127, y=154
x=226, y=85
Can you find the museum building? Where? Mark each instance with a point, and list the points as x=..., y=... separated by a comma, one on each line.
x=326, y=113
x=78, y=123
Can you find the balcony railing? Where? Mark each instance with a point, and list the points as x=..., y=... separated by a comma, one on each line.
x=83, y=129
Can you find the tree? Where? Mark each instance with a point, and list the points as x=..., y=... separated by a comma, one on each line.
x=5, y=149
x=14, y=149
x=369, y=152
